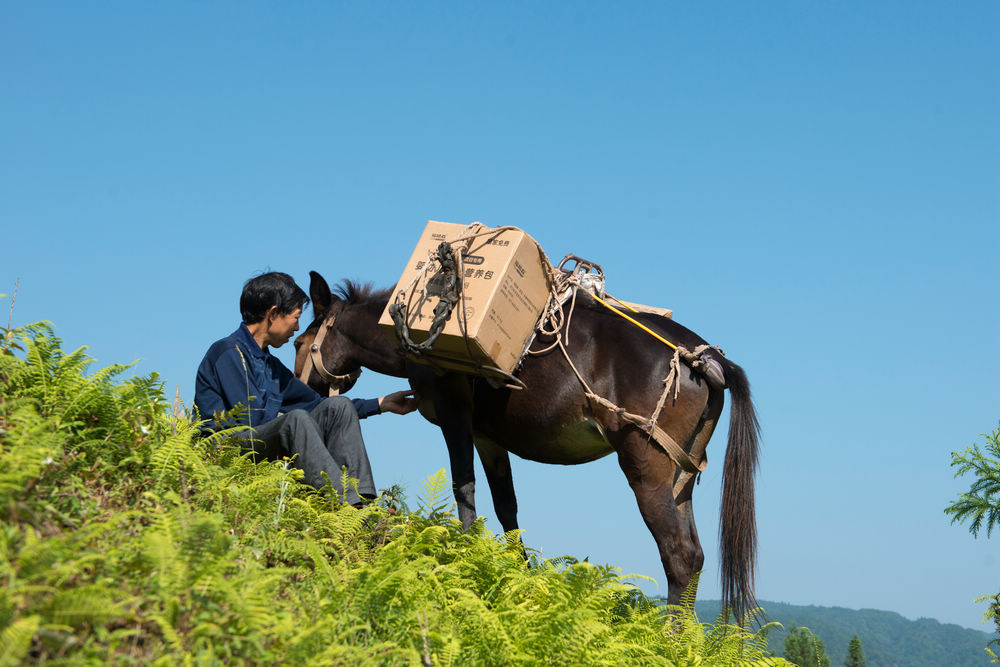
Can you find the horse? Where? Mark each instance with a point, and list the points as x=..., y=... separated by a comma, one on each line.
x=552, y=420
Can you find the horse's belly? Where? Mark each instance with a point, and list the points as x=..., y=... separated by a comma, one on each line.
x=570, y=443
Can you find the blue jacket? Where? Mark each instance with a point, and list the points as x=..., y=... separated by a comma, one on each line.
x=236, y=371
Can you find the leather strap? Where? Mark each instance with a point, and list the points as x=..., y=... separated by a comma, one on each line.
x=661, y=437
x=315, y=360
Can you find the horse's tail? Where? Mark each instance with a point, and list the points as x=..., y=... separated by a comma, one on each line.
x=737, y=516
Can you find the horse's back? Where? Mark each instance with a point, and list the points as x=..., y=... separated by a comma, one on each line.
x=552, y=420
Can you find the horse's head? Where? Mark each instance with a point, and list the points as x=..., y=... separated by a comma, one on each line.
x=323, y=358
x=347, y=336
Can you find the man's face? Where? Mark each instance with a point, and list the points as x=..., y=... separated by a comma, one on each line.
x=282, y=327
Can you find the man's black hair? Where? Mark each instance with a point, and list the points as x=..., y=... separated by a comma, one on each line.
x=270, y=289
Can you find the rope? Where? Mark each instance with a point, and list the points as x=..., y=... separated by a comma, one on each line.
x=662, y=438
x=692, y=358
x=449, y=257
x=558, y=317
x=555, y=321
x=648, y=426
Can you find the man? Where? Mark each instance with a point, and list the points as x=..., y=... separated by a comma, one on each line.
x=286, y=416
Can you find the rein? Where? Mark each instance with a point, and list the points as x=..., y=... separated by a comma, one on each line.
x=315, y=360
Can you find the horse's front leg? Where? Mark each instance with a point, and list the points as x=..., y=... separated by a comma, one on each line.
x=496, y=465
x=452, y=408
x=463, y=473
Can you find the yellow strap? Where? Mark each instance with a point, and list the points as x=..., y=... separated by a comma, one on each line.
x=623, y=303
x=641, y=326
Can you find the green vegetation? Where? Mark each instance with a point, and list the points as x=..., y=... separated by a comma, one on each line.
x=889, y=639
x=126, y=539
x=855, y=654
x=804, y=649
x=982, y=502
x=981, y=505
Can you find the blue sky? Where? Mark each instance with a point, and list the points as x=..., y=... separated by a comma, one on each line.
x=813, y=187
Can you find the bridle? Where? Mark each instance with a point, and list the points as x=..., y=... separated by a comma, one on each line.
x=315, y=360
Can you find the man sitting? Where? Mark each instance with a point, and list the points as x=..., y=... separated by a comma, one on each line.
x=286, y=416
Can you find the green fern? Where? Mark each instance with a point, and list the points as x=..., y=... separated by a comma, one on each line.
x=15, y=640
x=85, y=606
x=435, y=501
x=128, y=538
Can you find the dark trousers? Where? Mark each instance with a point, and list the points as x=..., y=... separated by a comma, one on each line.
x=321, y=440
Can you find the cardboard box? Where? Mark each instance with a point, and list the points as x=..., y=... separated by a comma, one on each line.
x=505, y=287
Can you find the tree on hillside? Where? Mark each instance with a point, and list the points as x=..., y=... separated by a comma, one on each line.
x=805, y=649
x=855, y=656
x=981, y=505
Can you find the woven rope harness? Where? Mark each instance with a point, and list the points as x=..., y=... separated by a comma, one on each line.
x=315, y=360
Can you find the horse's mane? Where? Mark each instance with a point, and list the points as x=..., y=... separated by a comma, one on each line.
x=356, y=293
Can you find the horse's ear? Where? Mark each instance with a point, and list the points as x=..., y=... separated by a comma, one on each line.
x=319, y=294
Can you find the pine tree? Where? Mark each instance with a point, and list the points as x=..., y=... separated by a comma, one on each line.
x=855, y=656
x=805, y=649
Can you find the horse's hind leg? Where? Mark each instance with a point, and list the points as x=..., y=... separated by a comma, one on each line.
x=650, y=473
x=687, y=517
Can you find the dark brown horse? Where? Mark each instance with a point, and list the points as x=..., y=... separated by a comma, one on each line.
x=552, y=421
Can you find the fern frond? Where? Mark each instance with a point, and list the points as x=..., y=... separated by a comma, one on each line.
x=449, y=653
x=85, y=605
x=15, y=640
x=176, y=453
x=170, y=634
x=249, y=600
x=319, y=558
x=28, y=447
x=488, y=640
x=436, y=498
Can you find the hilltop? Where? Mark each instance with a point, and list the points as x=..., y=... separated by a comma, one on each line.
x=125, y=537
x=888, y=638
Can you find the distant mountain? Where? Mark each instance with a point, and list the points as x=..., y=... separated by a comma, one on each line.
x=887, y=638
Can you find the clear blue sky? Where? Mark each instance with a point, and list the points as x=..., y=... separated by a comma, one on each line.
x=815, y=187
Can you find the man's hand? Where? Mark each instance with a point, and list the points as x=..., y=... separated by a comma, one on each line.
x=400, y=402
